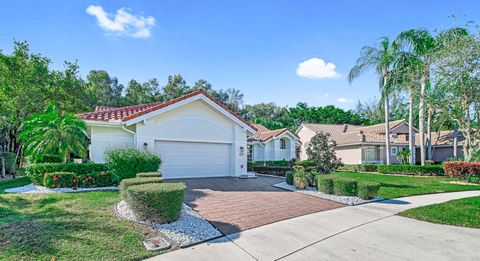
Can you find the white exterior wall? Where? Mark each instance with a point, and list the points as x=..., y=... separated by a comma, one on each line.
x=195, y=122
x=270, y=151
x=104, y=138
x=349, y=155
x=305, y=135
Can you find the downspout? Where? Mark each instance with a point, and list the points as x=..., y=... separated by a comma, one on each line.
x=132, y=132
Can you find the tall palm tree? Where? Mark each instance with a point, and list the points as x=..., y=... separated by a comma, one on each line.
x=381, y=58
x=54, y=133
x=422, y=45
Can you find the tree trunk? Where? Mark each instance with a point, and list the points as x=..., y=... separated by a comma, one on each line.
x=455, y=142
x=411, y=134
x=387, y=129
x=429, y=133
x=421, y=123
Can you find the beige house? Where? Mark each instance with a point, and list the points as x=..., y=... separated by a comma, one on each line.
x=271, y=145
x=366, y=144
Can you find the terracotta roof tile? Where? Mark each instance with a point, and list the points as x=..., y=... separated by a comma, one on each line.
x=264, y=134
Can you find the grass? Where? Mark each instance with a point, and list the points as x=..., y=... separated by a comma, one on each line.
x=461, y=212
x=79, y=226
x=402, y=186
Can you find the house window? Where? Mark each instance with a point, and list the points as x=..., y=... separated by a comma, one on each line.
x=394, y=151
x=283, y=144
x=249, y=153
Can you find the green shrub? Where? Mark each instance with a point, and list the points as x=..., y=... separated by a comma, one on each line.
x=312, y=178
x=59, y=180
x=305, y=163
x=345, y=187
x=289, y=177
x=95, y=179
x=10, y=160
x=427, y=170
x=367, y=190
x=50, y=159
x=325, y=184
x=149, y=174
x=125, y=163
x=37, y=171
x=104, y=179
x=156, y=202
x=300, y=180
x=138, y=181
x=359, y=167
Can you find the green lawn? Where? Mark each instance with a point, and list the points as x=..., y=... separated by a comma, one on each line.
x=461, y=212
x=401, y=186
x=79, y=226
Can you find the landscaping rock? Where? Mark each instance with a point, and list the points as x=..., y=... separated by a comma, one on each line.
x=347, y=200
x=34, y=189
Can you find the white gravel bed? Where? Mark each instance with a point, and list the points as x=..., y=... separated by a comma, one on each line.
x=35, y=189
x=347, y=200
x=191, y=228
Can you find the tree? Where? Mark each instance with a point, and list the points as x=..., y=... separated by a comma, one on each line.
x=320, y=150
x=175, y=87
x=381, y=58
x=403, y=156
x=103, y=89
x=54, y=133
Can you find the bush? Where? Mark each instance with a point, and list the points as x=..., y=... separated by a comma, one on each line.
x=300, y=180
x=321, y=151
x=50, y=159
x=139, y=181
x=460, y=169
x=59, y=180
x=345, y=187
x=367, y=190
x=95, y=179
x=271, y=163
x=104, y=179
x=325, y=184
x=277, y=171
x=10, y=160
x=156, y=202
x=37, y=171
x=125, y=163
x=149, y=174
x=427, y=170
x=359, y=167
x=289, y=177
x=305, y=163
x=312, y=178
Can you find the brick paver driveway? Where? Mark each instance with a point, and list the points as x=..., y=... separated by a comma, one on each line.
x=233, y=204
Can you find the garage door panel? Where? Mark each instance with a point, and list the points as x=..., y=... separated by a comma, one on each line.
x=194, y=159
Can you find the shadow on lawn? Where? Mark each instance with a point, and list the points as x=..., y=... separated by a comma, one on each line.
x=389, y=185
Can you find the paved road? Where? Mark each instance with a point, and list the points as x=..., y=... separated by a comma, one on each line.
x=366, y=232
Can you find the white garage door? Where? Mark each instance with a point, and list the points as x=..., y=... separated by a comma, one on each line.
x=194, y=159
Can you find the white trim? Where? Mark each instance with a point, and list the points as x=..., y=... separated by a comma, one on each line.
x=186, y=101
x=193, y=141
x=392, y=149
x=103, y=123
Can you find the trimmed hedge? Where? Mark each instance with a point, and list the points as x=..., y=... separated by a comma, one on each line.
x=367, y=190
x=359, y=167
x=289, y=177
x=462, y=169
x=149, y=174
x=59, y=180
x=50, y=159
x=345, y=187
x=95, y=179
x=37, y=171
x=125, y=163
x=277, y=171
x=305, y=163
x=300, y=180
x=325, y=184
x=156, y=202
x=139, y=181
x=10, y=160
x=427, y=170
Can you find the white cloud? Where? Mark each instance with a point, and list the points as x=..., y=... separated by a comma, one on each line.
x=316, y=68
x=344, y=100
x=123, y=22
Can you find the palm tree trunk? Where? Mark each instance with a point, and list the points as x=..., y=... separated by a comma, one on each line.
x=421, y=123
x=387, y=129
x=411, y=135
x=429, y=133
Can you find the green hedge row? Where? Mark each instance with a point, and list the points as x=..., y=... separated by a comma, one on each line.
x=347, y=187
x=427, y=170
x=125, y=163
x=149, y=174
x=36, y=172
x=72, y=180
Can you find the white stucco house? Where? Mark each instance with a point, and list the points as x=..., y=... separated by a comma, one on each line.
x=194, y=135
x=271, y=145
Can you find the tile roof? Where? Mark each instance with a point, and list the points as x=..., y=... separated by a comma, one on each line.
x=442, y=138
x=346, y=134
x=264, y=134
x=132, y=112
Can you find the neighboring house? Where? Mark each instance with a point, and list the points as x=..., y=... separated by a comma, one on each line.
x=358, y=144
x=442, y=145
x=194, y=135
x=271, y=145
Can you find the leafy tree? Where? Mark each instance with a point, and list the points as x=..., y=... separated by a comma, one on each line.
x=381, y=58
x=103, y=89
x=320, y=150
x=54, y=133
x=403, y=156
x=175, y=87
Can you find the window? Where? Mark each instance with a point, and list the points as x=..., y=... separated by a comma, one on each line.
x=283, y=144
x=394, y=151
x=249, y=153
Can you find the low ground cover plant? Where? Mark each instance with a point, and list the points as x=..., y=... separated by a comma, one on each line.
x=159, y=202
x=148, y=174
x=125, y=163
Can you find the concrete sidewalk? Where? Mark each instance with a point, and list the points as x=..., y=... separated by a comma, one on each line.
x=364, y=232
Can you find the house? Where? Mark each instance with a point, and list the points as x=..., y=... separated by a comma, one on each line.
x=358, y=144
x=194, y=135
x=271, y=145
x=442, y=146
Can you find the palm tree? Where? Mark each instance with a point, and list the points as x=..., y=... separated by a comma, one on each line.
x=381, y=58
x=54, y=133
x=420, y=43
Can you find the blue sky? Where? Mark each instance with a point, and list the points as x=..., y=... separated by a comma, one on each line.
x=254, y=46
